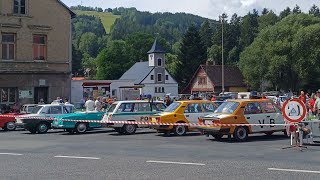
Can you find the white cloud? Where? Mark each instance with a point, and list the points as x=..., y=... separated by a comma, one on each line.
x=206, y=8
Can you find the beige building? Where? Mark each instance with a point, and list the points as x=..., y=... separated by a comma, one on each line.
x=36, y=50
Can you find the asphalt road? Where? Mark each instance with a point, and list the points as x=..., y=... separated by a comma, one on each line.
x=103, y=154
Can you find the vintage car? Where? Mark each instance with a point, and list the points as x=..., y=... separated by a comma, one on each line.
x=138, y=110
x=246, y=111
x=7, y=121
x=27, y=108
x=40, y=118
x=62, y=122
x=182, y=112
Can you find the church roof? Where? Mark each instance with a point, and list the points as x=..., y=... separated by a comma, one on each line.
x=156, y=48
x=138, y=72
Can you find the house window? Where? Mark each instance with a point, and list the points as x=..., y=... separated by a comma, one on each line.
x=167, y=77
x=8, y=95
x=159, y=77
x=159, y=62
x=155, y=89
x=151, y=77
x=159, y=90
x=202, y=81
x=39, y=47
x=162, y=89
x=8, y=46
x=19, y=7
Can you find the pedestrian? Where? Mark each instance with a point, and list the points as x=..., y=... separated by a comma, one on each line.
x=277, y=100
x=167, y=100
x=98, y=104
x=105, y=104
x=89, y=104
x=41, y=101
x=316, y=107
x=15, y=108
x=66, y=101
x=303, y=97
x=311, y=103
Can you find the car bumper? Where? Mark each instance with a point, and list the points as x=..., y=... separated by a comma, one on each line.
x=20, y=125
x=214, y=130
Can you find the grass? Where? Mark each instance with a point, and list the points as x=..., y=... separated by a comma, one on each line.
x=107, y=19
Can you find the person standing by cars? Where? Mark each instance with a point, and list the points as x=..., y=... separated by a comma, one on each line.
x=98, y=104
x=311, y=103
x=167, y=101
x=317, y=104
x=89, y=104
x=303, y=97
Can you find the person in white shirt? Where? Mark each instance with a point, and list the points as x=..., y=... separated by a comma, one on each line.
x=98, y=104
x=89, y=104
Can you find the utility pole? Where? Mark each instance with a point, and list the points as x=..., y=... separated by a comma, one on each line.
x=222, y=49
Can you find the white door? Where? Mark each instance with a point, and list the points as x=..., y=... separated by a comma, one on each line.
x=54, y=111
x=254, y=115
x=273, y=116
x=192, y=112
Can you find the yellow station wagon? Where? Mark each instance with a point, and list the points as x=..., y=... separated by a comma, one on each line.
x=183, y=112
x=249, y=111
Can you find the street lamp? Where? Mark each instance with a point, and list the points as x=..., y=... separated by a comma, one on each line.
x=222, y=62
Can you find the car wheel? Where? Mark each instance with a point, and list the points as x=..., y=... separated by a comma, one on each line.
x=240, y=134
x=10, y=126
x=81, y=128
x=179, y=130
x=129, y=129
x=42, y=128
x=217, y=136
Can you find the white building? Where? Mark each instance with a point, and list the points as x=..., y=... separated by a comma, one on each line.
x=152, y=77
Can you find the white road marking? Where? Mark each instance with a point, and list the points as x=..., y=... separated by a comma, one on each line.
x=294, y=170
x=171, y=162
x=77, y=157
x=11, y=154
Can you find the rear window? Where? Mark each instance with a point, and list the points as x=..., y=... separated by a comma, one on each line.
x=36, y=109
x=227, y=107
x=172, y=107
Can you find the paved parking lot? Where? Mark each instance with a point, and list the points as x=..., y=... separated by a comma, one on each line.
x=103, y=154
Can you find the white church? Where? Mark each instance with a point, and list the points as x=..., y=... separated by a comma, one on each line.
x=151, y=77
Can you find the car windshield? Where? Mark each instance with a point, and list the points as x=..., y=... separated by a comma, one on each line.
x=227, y=107
x=172, y=107
x=111, y=108
x=36, y=109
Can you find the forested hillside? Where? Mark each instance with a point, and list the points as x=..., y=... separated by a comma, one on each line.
x=250, y=42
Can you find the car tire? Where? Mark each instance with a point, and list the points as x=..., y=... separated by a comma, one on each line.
x=217, y=136
x=10, y=126
x=42, y=128
x=240, y=134
x=81, y=128
x=180, y=130
x=129, y=129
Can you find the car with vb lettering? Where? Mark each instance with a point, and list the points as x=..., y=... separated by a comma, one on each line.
x=182, y=112
x=137, y=110
x=246, y=111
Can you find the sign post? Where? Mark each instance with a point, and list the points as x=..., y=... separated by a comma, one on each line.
x=294, y=111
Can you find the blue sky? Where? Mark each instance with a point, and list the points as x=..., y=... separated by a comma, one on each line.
x=206, y=8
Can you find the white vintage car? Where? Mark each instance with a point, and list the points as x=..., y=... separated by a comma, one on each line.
x=138, y=110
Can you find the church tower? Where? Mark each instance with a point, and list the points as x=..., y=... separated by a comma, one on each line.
x=157, y=60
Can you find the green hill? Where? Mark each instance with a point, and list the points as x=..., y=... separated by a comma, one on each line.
x=107, y=19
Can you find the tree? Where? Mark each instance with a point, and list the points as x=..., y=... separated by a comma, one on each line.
x=190, y=57
x=88, y=44
x=76, y=62
x=268, y=19
x=314, y=10
x=286, y=12
x=206, y=34
x=296, y=10
x=285, y=54
x=249, y=29
x=265, y=11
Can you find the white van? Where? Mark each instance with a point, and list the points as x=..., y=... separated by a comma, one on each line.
x=137, y=110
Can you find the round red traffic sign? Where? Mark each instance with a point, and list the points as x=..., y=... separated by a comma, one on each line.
x=294, y=110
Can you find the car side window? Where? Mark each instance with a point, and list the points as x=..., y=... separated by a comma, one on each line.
x=125, y=107
x=253, y=108
x=193, y=108
x=68, y=109
x=142, y=107
x=208, y=107
x=268, y=107
x=55, y=110
x=158, y=107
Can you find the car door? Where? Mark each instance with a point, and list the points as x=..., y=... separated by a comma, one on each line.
x=273, y=115
x=192, y=112
x=254, y=115
x=54, y=111
x=208, y=108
